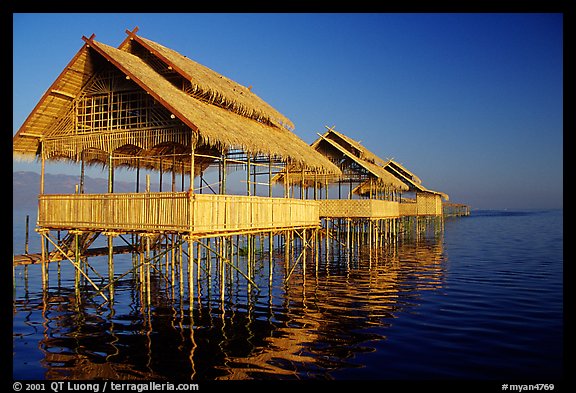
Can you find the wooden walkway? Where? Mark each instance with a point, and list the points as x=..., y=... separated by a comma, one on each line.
x=36, y=258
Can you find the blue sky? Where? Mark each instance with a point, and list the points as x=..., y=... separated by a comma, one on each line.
x=471, y=103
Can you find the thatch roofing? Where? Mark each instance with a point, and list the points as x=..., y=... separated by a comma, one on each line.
x=362, y=157
x=389, y=173
x=414, y=182
x=240, y=119
x=210, y=86
x=53, y=103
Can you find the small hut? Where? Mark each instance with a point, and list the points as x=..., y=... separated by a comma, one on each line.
x=367, y=177
x=425, y=201
x=145, y=106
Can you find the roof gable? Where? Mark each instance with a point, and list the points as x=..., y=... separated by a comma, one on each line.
x=209, y=86
x=212, y=125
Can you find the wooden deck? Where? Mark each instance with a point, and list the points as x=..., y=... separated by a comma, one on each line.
x=177, y=212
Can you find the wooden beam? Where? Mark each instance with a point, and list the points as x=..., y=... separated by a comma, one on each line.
x=157, y=97
x=62, y=94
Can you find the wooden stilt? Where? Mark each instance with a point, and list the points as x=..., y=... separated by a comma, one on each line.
x=111, y=266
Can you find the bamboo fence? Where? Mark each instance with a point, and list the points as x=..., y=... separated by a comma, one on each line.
x=174, y=212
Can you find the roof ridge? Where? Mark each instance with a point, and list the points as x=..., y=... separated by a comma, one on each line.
x=217, y=89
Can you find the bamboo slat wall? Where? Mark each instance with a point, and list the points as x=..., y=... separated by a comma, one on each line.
x=428, y=204
x=170, y=212
x=358, y=208
x=214, y=213
x=455, y=209
x=408, y=208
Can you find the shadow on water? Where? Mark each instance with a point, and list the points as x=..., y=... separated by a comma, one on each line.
x=316, y=322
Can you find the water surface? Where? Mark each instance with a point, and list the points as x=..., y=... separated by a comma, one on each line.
x=480, y=299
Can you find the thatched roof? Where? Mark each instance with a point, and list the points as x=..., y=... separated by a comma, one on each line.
x=342, y=149
x=360, y=156
x=382, y=169
x=221, y=114
x=346, y=152
x=208, y=85
x=349, y=145
x=414, y=182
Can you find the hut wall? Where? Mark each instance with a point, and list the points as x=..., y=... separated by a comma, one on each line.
x=358, y=208
x=408, y=207
x=428, y=204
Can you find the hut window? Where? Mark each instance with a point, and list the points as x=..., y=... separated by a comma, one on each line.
x=120, y=111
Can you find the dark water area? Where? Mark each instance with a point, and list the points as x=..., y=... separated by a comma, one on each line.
x=481, y=298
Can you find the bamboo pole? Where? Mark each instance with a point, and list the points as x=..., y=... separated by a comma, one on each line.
x=191, y=273
x=305, y=245
x=82, y=172
x=223, y=174
x=147, y=270
x=138, y=174
x=26, y=239
x=270, y=176
x=270, y=259
x=111, y=265
x=110, y=173
x=254, y=168
x=192, y=163
x=160, y=176
x=248, y=192
x=42, y=169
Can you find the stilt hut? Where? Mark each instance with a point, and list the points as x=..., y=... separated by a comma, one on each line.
x=365, y=181
x=365, y=188
x=145, y=106
x=425, y=201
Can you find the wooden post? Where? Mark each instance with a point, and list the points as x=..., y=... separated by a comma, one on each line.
x=348, y=233
x=304, y=253
x=147, y=271
x=254, y=168
x=223, y=191
x=192, y=163
x=173, y=169
x=43, y=258
x=42, y=168
x=110, y=173
x=82, y=173
x=315, y=186
x=77, y=260
x=26, y=241
x=248, y=174
x=160, y=176
x=270, y=176
x=270, y=259
x=302, y=184
x=191, y=271
x=111, y=265
x=350, y=192
x=138, y=175
x=286, y=182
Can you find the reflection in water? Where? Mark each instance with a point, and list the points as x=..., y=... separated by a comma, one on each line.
x=307, y=327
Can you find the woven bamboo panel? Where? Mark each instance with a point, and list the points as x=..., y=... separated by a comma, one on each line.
x=408, y=208
x=428, y=204
x=455, y=209
x=358, y=208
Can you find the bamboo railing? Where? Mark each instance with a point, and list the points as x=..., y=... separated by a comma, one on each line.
x=174, y=212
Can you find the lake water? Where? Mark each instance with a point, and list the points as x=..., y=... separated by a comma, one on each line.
x=481, y=299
